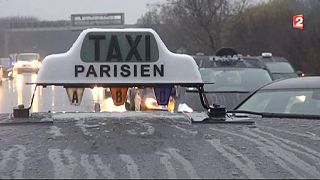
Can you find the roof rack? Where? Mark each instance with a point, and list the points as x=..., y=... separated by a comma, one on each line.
x=266, y=54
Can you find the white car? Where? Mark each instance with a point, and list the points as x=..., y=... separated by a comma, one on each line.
x=27, y=62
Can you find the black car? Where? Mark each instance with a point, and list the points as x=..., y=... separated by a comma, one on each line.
x=228, y=80
x=279, y=67
x=296, y=97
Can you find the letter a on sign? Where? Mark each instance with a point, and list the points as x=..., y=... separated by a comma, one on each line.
x=75, y=95
x=119, y=95
x=162, y=95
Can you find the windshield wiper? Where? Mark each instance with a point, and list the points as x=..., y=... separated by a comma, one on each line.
x=206, y=91
x=293, y=116
x=277, y=115
x=229, y=91
x=245, y=112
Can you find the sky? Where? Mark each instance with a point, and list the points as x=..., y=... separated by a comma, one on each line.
x=62, y=9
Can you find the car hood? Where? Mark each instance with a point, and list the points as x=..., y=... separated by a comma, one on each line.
x=156, y=145
x=228, y=99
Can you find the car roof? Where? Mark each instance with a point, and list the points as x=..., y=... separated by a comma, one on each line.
x=295, y=83
x=156, y=145
x=246, y=62
x=272, y=59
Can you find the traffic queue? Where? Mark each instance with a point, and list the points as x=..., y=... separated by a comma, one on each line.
x=138, y=71
x=128, y=63
x=221, y=116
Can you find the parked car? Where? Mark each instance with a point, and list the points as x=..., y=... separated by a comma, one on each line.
x=296, y=97
x=27, y=62
x=228, y=80
x=279, y=67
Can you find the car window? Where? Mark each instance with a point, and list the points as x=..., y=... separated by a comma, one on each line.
x=296, y=101
x=27, y=57
x=234, y=79
x=279, y=67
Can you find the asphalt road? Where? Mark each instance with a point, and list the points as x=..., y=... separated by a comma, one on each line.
x=156, y=145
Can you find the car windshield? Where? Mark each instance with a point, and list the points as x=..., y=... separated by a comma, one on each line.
x=279, y=67
x=289, y=101
x=27, y=57
x=234, y=79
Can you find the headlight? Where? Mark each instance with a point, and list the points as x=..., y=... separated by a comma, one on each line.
x=191, y=89
x=108, y=105
x=35, y=64
x=151, y=103
x=18, y=64
x=171, y=104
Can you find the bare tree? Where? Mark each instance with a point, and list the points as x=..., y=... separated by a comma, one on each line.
x=198, y=24
x=205, y=17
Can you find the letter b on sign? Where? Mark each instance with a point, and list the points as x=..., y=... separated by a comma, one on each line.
x=298, y=21
x=119, y=95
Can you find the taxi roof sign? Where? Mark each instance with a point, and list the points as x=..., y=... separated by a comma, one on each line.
x=118, y=57
x=121, y=58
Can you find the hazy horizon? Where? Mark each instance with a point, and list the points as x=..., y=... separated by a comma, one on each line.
x=62, y=9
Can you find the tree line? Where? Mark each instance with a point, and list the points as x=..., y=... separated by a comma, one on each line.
x=193, y=26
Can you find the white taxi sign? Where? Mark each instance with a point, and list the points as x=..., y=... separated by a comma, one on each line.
x=118, y=57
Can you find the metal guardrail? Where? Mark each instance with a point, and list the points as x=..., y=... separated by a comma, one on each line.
x=39, y=24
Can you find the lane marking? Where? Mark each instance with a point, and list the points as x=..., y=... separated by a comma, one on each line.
x=187, y=166
x=104, y=169
x=248, y=168
x=131, y=166
x=165, y=160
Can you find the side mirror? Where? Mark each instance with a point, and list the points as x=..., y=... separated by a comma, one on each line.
x=300, y=73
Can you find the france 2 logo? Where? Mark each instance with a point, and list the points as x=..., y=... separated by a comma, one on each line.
x=297, y=21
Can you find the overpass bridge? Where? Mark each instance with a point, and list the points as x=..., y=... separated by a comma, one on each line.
x=48, y=37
